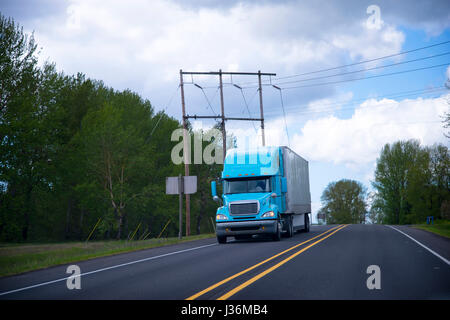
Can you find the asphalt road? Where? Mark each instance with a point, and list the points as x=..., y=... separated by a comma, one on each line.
x=330, y=262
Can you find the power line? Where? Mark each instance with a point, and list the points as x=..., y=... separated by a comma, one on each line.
x=358, y=63
x=389, y=95
x=284, y=113
x=368, y=77
x=355, y=102
x=165, y=109
x=206, y=97
x=364, y=70
x=349, y=80
x=367, y=61
x=246, y=105
x=349, y=106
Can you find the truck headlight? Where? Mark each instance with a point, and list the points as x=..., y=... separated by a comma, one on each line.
x=268, y=214
x=221, y=217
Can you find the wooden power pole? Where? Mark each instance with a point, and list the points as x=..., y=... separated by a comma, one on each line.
x=261, y=108
x=222, y=108
x=186, y=154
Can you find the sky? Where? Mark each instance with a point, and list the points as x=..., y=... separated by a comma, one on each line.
x=338, y=119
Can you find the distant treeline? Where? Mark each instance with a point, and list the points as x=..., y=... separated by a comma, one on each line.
x=412, y=182
x=74, y=151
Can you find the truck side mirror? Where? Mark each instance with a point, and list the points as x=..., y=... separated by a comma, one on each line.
x=283, y=185
x=213, y=190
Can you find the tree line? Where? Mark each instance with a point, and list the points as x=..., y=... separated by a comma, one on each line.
x=74, y=151
x=411, y=183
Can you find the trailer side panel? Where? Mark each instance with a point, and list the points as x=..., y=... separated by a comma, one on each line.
x=298, y=197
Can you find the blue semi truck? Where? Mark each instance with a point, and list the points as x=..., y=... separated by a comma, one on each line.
x=265, y=191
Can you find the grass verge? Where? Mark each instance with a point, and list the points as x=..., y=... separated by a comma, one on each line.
x=19, y=258
x=440, y=227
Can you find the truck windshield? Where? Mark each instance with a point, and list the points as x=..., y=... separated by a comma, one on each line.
x=247, y=185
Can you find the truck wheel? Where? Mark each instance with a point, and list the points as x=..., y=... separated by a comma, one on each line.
x=277, y=234
x=306, y=223
x=221, y=239
x=290, y=227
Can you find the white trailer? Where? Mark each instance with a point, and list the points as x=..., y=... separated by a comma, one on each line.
x=297, y=195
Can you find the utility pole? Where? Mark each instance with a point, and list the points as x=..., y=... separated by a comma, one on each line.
x=224, y=134
x=186, y=154
x=180, y=206
x=261, y=108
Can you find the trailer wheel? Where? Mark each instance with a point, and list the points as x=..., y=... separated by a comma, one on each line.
x=290, y=227
x=307, y=224
x=221, y=239
x=277, y=235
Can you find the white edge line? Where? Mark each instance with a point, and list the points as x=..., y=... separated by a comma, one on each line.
x=424, y=246
x=104, y=269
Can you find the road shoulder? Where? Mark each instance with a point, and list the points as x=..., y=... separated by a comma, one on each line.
x=435, y=242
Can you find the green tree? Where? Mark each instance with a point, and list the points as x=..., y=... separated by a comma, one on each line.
x=156, y=208
x=344, y=201
x=391, y=178
x=77, y=199
x=115, y=151
x=440, y=180
x=376, y=210
x=27, y=131
x=412, y=182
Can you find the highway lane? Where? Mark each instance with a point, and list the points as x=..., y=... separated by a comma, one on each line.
x=337, y=269
x=328, y=263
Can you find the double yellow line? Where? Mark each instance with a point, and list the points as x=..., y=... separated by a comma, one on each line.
x=262, y=274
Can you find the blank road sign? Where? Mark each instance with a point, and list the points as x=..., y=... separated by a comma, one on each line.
x=190, y=185
x=172, y=185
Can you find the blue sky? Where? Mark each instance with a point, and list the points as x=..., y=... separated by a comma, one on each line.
x=340, y=128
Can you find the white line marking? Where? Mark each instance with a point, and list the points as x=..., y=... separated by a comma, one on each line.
x=107, y=268
x=433, y=252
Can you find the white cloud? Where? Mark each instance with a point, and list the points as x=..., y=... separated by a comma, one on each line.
x=371, y=43
x=334, y=103
x=358, y=140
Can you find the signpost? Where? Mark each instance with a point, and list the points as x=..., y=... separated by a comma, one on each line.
x=181, y=185
x=321, y=216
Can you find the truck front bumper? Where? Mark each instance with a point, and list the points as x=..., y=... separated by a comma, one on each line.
x=236, y=228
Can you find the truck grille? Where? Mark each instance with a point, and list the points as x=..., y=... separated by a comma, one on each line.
x=246, y=208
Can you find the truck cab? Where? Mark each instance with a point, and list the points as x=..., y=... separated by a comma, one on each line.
x=255, y=197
